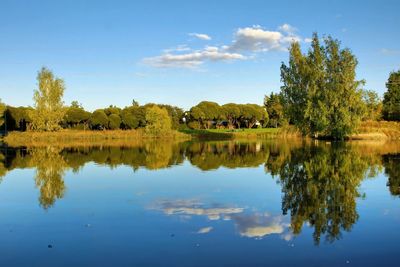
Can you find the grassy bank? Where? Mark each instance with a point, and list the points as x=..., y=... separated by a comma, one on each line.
x=378, y=130
x=77, y=137
x=371, y=130
x=132, y=137
x=226, y=134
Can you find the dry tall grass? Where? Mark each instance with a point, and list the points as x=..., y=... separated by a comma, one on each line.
x=66, y=138
x=375, y=130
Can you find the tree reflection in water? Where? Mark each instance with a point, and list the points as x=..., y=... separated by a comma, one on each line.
x=391, y=162
x=320, y=186
x=50, y=169
x=320, y=181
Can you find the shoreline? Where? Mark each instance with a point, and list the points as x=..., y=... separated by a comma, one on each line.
x=87, y=138
x=384, y=131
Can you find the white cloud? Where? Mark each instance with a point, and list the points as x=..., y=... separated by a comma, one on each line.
x=258, y=225
x=257, y=39
x=247, y=43
x=261, y=231
x=193, y=207
x=252, y=225
x=201, y=36
x=192, y=59
x=287, y=28
x=308, y=40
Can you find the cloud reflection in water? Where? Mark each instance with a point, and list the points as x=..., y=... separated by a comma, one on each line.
x=251, y=225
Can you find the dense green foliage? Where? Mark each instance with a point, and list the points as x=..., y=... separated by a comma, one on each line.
x=391, y=163
x=99, y=120
x=273, y=104
x=321, y=95
x=18, y=118
x=76, y=115
x=114, y=121
x=133, y=117
x=373, y=106
x=158, y=121
x=176, y=114
x=210, y=114
x=49, y=172
x=206, y=113
x=391, y=99
x=48, y=104
x=320, y=187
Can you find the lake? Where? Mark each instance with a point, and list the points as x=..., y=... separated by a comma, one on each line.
x=220, y=203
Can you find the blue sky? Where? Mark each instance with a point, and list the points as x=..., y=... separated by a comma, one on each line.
x=181, y=52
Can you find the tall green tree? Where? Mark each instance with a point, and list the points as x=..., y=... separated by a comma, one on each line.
x=99, y=120
x=158, y=121
x=206, y=113
x=294, y=90
x=133, y=117
x=48, y=105
x=114, y=122
x=316, y=111
x=321, y=95
x=273, y=104
x=18, y=118
x=231, y=112
x=373, y=105
x=391, y=99
x=75, y=115
x=175, y=113
x=250, y=114
x=112, y=110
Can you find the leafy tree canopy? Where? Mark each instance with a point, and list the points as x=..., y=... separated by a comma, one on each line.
x=114, y=121
x=133, y=117
x=320, y=92
x=273, y=104
x=49, y=107
x=391, y=99
x=99, y=119
x=373, y=105
x=158, y=121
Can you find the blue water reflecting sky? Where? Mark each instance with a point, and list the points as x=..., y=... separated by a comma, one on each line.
x=183, y=216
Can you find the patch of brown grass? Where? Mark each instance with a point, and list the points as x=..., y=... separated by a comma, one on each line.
x=66, y=138
x=376, y=130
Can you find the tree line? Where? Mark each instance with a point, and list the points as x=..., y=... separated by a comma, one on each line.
x=320, y=95
x=50, y=114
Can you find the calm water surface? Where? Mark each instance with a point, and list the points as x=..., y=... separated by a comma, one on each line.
x=279, y=203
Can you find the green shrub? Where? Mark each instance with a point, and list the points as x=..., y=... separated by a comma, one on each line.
x=114, y=122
